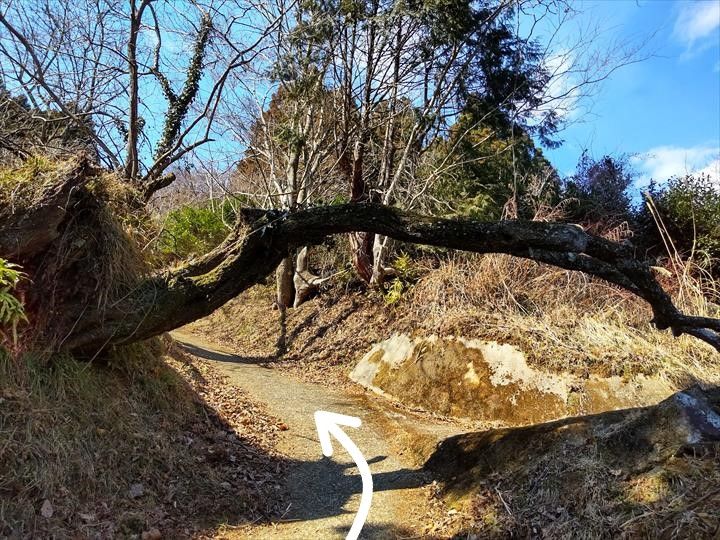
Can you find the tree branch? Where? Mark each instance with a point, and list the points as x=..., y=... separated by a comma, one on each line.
x=165, y=302
x=38, y=77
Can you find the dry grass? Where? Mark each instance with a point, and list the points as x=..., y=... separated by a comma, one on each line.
x=79, y=436
x=617, y=475
x=676, y=499
x=97, y=257
x=562, y=320
x=23, y=183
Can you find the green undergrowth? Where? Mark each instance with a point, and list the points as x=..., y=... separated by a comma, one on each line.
x=191, y=231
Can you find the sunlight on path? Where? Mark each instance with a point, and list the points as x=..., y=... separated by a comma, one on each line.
x=324, y=493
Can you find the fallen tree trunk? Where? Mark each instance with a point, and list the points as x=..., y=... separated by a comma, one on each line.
x=162, y=303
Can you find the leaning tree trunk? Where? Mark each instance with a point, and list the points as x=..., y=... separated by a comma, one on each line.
x=165, y=301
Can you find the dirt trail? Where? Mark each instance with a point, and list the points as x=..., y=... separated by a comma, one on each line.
x=324, y=493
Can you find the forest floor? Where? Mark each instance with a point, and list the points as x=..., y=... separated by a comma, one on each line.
x=157, y=443
x=323, y=493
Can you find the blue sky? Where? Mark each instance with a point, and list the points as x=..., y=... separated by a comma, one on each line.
x=665, y=110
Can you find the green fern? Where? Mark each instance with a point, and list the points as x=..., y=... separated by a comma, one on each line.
x=407, y=274
x=405, y=267
x=12, y=311
x=394, y=292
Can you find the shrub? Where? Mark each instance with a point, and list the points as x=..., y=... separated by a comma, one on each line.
x=194, y=230
x=689, y=207
x=406, y=274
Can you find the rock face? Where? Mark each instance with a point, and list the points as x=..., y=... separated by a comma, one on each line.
x=489, y=381
x=631, y=440
x=632, y=473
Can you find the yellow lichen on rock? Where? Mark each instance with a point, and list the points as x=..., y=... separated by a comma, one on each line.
x=491, y=381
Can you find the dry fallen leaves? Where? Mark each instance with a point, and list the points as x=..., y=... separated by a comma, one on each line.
x=46, y=510
x=136, y=491
x=152, y=534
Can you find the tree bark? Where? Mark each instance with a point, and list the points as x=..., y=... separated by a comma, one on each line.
x=361, y=242
x=306, y=283
x=302, y=278
x=131, y=153
x=284, y=297
x=381, y=247
x=284, y=282
x=162, y=303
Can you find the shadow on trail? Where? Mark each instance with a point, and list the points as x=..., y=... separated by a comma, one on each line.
x=314, y=489
x=630, y=440
x=386, y=530
x=311, y=331
x=322, y=488
x=218, y=356
x=321, y=330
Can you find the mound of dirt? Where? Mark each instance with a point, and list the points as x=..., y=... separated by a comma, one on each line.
x=489, y=381
x=643, y=472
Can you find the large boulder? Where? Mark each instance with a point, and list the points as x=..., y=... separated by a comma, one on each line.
x=645, y=472
x=485, y=380
x=629, y=439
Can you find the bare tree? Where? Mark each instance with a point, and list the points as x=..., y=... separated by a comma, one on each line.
x=365, y=88
x=113, y=63
x=405, y=73
x=287, y=127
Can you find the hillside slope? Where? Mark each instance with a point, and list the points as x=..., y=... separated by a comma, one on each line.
x=551, y=479
x=155, y=443
x=562, y=321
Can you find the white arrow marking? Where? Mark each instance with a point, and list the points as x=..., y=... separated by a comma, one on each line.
x=329, y=423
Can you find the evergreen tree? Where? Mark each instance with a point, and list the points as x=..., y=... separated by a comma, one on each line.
x=598, y=192
x=490, y=162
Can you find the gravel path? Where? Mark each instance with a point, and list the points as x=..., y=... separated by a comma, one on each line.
x=324, y=493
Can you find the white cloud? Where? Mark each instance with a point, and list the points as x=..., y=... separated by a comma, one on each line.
x=562, y=93
x=663, y=162
x=697, y=21
x=713, y=169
